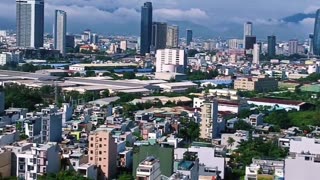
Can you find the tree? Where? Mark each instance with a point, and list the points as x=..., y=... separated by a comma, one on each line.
x=230, y=141
x=125, y=176
x=105, y=93
x=280, y=118
x=63, y=175
x=129, y=75
x=90, y=73
x=242, y=125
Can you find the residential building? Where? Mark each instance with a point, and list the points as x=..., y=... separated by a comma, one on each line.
x=159, y=35
x=209, y=128
x=146, y=28
x=171, y=60
x=37, y=161
x=123, y=45
x=189, y=36
x=4, y=59
x=255, y=119
x=271, y=46
x=95, y=38
x=238, y=137
x=235, y=43
x=256, y=54
x=173, y=36
x=188, y=166
x=103, y=153
x=79, y=162
x=293, y=47
x=259, y=83
x=30, y=23
x=149, y=169
x=51, y=126
x=32, y=126
x=60, y=30
x=5, y=164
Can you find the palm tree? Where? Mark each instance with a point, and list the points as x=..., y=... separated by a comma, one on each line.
x=230, y=141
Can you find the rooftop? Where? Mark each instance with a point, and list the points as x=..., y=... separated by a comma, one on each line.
x=278, y=101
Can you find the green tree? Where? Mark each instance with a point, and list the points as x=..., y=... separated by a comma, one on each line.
x=63, y=175
x=129, y=75
x=230, y=141
x=90, y=73
x=105, y=93
x=125, y=176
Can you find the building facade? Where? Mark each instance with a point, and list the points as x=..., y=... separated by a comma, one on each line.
x=316, y=34
x=271, y=46
x=170, y=60
x=30, y=23
x=60, y=30
x=149, y=169
x=146, y=28
x=260, y=83
x=256, y=54
x=173, y=36
x=293, y=47
x=209, y=120
x=189, y=36
x=247, y=30
x=51, y=127
x=159, y=35
x=103, y=153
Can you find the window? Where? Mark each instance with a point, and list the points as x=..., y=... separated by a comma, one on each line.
x=91, y=145
x=100, y=139
x=92, y=139
x=100, y=159
x=100, y=152
x=91, y=158
x=100, y=145
x=91, y=152
x=307, y=158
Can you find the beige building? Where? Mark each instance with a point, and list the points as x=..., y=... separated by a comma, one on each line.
x=260, y=83
x=209, y=126
x=149, y=169
x=103, y=153
x=5, y=164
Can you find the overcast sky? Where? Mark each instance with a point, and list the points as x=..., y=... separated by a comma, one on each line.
x=210, y=18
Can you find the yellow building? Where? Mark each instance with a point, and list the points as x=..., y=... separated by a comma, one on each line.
x=260, y=83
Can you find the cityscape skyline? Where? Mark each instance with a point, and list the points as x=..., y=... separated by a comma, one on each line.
x=204, y=21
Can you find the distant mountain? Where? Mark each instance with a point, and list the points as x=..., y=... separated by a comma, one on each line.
x=296, y=18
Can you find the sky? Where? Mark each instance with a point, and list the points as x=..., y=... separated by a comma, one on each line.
x=207, y=18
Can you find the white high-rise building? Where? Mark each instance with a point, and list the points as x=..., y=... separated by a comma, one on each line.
x=293, y=47
x=4, y=59
x=256, y=54
x=123, y=45
x=235, y=43
x=170, y=60
x=173, y=36
x=60, y=30
x=30, y=23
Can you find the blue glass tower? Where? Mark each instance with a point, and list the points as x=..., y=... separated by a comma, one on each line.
x=316, y=34
x=189, y=36
x=146, y=28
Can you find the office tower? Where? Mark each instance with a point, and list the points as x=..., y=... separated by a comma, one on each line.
x=70, y=41
x=60, y=30
x=103, y=153
x=235, y=43
x=173, y=36
x=310, y=50
x=159, y=35
x=189, y=36
x=51, y=129
x=316, y=34
x=249, y=42
x=95, y=38
x=170, y=60
x=271, y=46
x=247, y=31
x=149, y=169
x=293, y=46
x=123, y=45
x=256, y=54
x=209, y=120
x=146, y=28
x=30, y=23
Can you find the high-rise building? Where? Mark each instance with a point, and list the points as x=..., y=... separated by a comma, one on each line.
x=310, y=50
x=170, y=60
x=60, y=30
x=316, y=34
x=209, y=120
x=173, y=36
x=70, y=41
x=30, y=23
x=95, y=38
x=271, y=46
x=249, y=42
x=293, y=46
x=256, y=54
x=235, y=43
x=247, y=30
x=189, y=36
x=123, y=45
x=146, y=28
x=159, y=35
x=103, y=153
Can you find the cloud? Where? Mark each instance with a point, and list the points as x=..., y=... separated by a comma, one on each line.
x=193, y=15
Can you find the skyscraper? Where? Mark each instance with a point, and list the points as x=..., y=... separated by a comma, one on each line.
x=60, y=30
x=159, y=35
x=247, y=31
x=146, y=28
x=30, y=23
x=256, y=54
x=310, y=44
x=189, y=36
x=271, y=46
x=316, y=34
x=249, y=42
x=293, y=46
x=173, y=36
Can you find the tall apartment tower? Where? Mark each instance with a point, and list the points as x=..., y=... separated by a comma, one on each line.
x=60, y=30
x=146, y=28
x=173, y=36
x=310, y=50
x=256, y=54
x=103, y=153
x=271, y=46
x=51, y=127
x=159, y=35
x=171, y=60
x=247, y=31
x=293, y=46
x=209, y=120
x=30, y=23
x=189, y=36
x=316, y=34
